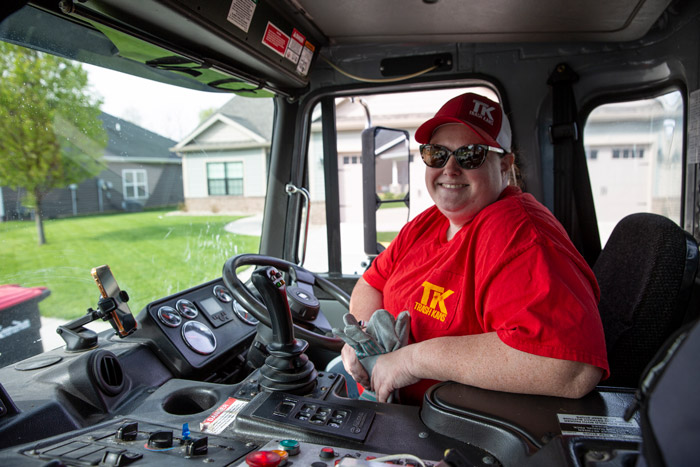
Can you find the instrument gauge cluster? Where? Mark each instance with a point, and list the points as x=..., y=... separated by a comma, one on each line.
x=200, y=325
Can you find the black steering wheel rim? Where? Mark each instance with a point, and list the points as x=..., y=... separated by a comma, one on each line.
x=257, y=309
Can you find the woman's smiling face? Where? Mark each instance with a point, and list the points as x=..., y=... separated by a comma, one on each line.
x=458, y=193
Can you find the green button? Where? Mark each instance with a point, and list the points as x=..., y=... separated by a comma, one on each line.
x=290, y=445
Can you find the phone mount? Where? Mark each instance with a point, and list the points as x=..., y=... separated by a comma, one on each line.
x=79, y=338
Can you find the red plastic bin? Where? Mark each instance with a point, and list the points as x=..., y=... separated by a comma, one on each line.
x=20, y=322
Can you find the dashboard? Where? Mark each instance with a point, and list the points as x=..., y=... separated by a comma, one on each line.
x=181, y=390
x=197, y=330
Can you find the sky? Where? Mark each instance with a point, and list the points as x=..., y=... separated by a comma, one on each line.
x=168, y=110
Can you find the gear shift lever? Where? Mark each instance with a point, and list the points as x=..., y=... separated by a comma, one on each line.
x=287, y=368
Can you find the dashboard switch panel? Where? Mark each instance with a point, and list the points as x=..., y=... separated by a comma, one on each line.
x=310, y=454
x=317, y=416
x=152, y=445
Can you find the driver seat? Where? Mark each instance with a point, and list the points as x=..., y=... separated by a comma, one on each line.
x=646, y=274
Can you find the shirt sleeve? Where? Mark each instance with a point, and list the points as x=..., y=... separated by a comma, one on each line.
x=543, y=303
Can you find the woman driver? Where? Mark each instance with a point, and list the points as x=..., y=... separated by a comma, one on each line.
x=498, y=295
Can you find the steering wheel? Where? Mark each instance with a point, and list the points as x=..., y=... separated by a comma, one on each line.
x=243, y=295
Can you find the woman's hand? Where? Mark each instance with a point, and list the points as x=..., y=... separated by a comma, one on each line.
x=353, y=366
x=393, y=370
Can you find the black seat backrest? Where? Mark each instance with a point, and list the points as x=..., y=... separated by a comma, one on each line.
x=646, y=273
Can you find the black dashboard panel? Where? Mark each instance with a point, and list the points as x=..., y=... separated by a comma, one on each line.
x=195, y=331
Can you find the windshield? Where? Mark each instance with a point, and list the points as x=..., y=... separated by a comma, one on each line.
x=160, y=183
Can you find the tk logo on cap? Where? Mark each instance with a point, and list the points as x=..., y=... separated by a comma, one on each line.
x=483, y=111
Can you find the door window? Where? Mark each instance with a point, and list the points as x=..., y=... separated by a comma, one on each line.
x=396, y=176
x=634, y=156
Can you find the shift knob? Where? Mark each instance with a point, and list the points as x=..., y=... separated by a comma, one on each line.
x=273, y=290
x=286, y=367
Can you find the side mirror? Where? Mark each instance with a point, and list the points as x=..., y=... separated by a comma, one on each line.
x=386, y=161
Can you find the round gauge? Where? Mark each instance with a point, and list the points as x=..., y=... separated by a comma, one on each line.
x=222, y=294
x=187, y=308
x=199, y=337
x=169, y=316
x=243, y=314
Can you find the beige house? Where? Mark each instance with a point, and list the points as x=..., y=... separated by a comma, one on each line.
x=224, y=159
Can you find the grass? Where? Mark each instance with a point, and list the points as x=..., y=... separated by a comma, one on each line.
x=151, y=256
x=386, y=237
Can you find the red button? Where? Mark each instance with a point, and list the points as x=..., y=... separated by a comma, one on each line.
x=327, y=453
x=263, y=459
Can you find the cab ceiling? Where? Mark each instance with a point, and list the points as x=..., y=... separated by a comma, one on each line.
x=432, y=21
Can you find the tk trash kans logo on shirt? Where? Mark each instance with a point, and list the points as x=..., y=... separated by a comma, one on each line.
x=432, y=303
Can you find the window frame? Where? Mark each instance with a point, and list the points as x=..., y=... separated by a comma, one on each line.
x=228, y=182
x=134, y=184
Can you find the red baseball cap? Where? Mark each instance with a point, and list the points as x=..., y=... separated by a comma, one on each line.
x=479, y=113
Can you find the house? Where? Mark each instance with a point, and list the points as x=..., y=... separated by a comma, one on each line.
x=139, y=172
x=224, y=160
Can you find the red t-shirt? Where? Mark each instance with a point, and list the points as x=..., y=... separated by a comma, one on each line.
x=512, y=269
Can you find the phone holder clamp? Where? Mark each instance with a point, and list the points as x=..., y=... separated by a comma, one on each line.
x=78, y=338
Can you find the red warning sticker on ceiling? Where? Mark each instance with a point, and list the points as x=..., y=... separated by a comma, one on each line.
x=275, y=39
x=295, y=46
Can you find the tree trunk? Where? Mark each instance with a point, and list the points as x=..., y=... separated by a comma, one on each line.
x=39, y=222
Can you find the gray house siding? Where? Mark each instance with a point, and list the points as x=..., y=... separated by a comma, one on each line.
x=168, y=190
x=129, y=147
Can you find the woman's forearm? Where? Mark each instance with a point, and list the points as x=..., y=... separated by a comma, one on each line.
x=365, y=300
x=484, y=361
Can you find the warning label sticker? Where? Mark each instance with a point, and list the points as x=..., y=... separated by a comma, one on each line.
x=241, y=13
x=294, y=47
x=222, y=417
x=599, y=427
x=275, y=39
x=307, y=54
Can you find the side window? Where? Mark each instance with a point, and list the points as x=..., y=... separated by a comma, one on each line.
x=395, y=176
x=634, y=156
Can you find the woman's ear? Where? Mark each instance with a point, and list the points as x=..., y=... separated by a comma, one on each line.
x=507, y=162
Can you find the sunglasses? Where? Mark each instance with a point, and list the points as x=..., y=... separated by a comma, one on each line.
x=471, y=156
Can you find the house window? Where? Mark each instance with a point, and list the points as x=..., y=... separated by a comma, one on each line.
x=627, y=153
x=225, y=178
x=135, y=183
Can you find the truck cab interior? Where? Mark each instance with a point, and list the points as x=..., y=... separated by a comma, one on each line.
x=604, y=103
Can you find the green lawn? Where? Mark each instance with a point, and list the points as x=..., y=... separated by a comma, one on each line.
x=386, y=237
x=151, y=256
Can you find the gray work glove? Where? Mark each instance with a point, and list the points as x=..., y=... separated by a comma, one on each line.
x=383, y=334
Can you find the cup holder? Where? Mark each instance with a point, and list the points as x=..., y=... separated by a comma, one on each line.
x=189, y=401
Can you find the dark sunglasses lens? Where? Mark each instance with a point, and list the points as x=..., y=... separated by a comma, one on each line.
x=470, y=157
x=434, y=156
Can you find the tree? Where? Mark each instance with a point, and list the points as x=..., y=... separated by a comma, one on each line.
x=51, y=134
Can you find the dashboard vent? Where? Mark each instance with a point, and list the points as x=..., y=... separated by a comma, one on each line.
x=108, y=373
